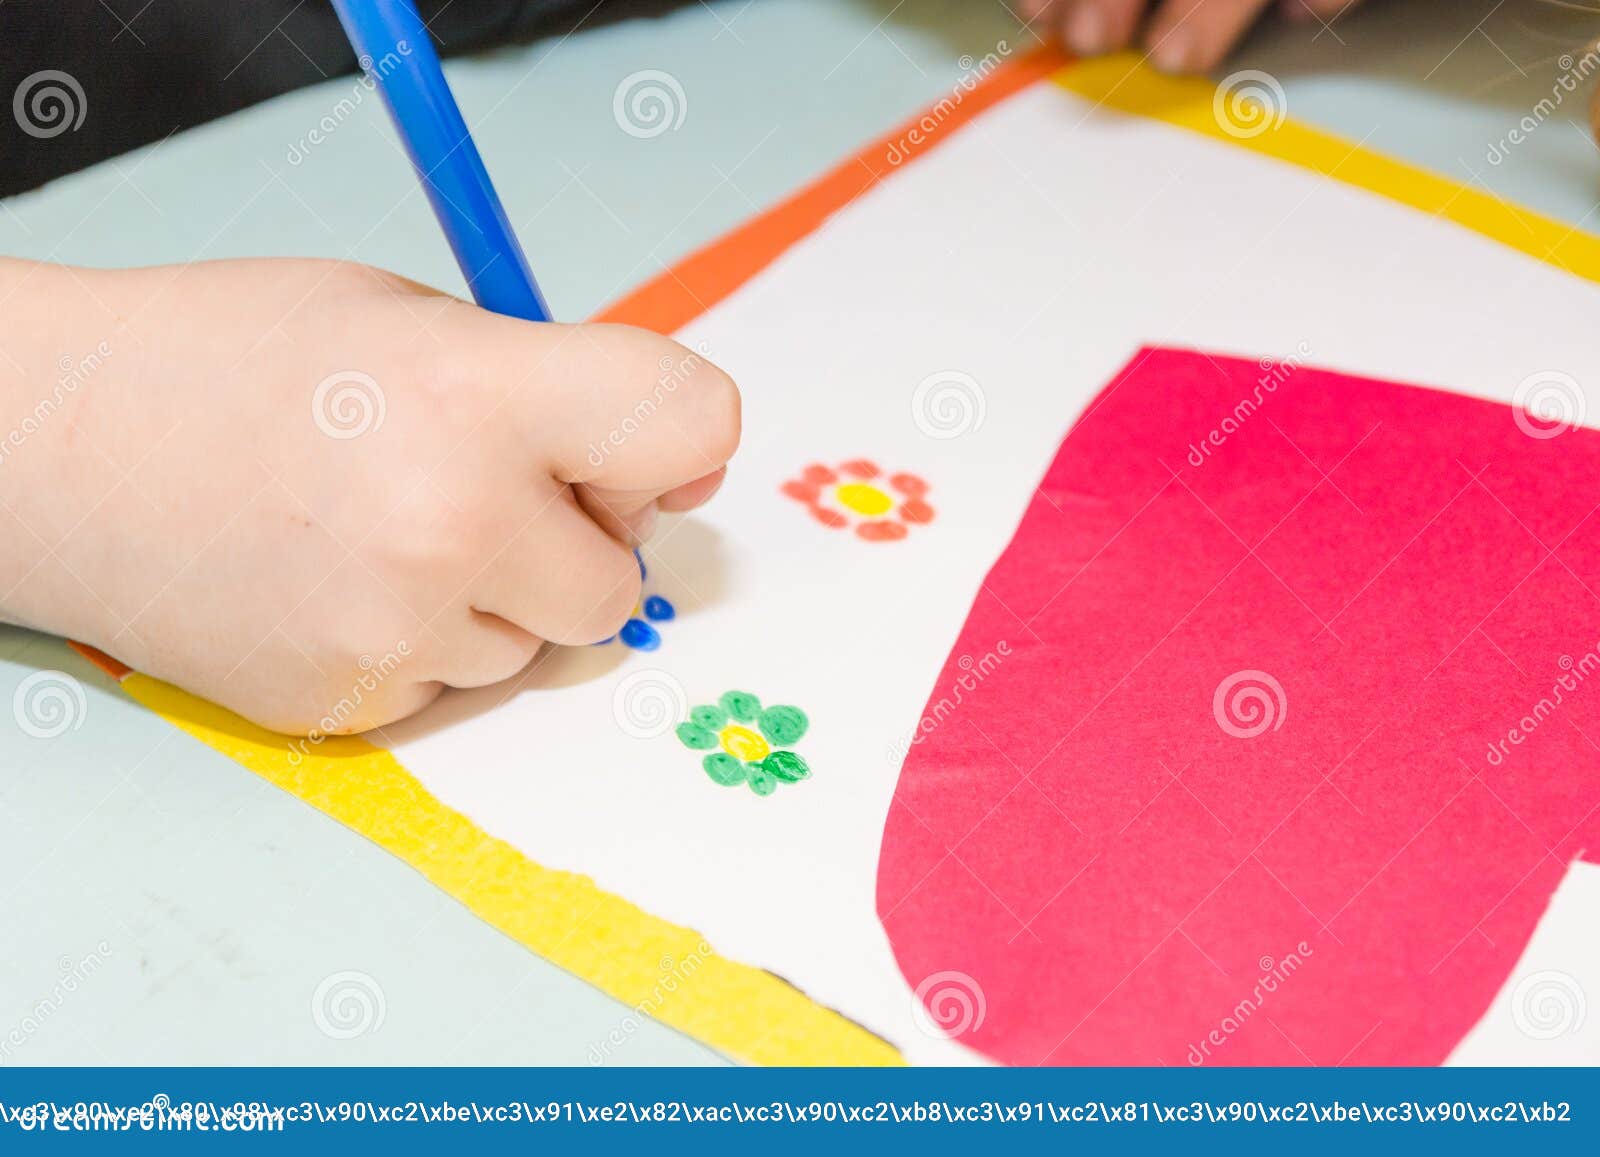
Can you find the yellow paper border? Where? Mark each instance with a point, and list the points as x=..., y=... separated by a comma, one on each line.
x=647, y=963
x=655, y=967
x=1122, y=84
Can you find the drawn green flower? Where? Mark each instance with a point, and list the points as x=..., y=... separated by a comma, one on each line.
x=748, y=743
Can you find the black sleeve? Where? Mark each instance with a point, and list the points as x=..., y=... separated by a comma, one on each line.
x=88, y=79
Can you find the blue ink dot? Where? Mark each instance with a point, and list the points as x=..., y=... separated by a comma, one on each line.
x=658, y=610
x=639, y=635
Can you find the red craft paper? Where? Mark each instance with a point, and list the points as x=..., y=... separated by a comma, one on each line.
x=1078, y=843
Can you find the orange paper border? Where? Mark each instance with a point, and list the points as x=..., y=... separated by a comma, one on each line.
x=676, y=296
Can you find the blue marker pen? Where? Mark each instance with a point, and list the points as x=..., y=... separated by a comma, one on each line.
x=396, y=51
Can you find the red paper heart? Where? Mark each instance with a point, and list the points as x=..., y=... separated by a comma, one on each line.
x=1208, y=777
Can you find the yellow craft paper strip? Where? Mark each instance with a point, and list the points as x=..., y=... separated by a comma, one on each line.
x=1123, y=84
x=655, y=967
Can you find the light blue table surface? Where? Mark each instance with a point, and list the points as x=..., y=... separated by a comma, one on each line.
x=198, y=910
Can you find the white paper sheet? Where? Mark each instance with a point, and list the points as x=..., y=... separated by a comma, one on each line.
x=1032, y=253
x=1548, y=1013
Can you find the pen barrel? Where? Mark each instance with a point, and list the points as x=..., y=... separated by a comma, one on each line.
x=396, y=52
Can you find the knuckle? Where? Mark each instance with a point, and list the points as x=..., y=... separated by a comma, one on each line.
x=342, y=276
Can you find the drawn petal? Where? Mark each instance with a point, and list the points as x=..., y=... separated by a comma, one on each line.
x=742, y=705
x=818, y=475
x=787, y=766
x=881, y=531
x=783, y=725
x=916, y=510
x=711, y=718
x=761, y=781
x=658, y=609
x=697, y=737
x=909, y=485
x=724, y=769
x=860, y=468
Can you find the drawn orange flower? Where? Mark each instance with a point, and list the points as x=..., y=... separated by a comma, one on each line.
x=857, y=494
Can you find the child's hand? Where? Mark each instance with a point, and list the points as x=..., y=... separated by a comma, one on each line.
x=318, y=494
x=1180, y=35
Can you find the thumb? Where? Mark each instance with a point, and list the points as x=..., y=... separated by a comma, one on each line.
x=627, y=412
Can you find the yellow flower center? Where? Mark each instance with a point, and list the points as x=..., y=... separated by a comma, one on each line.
x=742, y=743
x=867, y=501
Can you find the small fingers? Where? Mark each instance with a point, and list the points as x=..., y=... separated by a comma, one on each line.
x=335, y=711
x=1031, y=10
x=1194, y=35
x=616, y=407
x=693, y=494
x=1180, y=35
x=404, y=702
x=486, y=649
x=1093, y=27
x=1306, y=11
x=561, y=577
x=630, y=516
